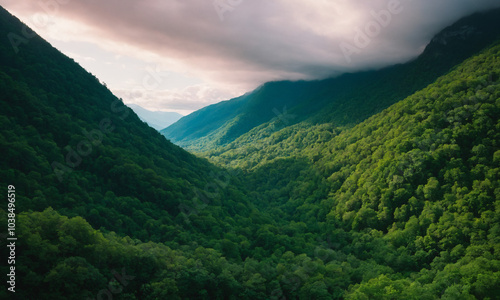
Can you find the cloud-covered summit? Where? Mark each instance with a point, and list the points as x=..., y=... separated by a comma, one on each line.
x=243, y=43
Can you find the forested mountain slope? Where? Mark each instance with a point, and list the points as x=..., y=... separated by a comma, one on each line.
x=345, y=100
x=404, y=205
x=221, y=123
x=420, y=178
x=67, y=142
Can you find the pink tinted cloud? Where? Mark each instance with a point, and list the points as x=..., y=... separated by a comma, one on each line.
x=258, y=40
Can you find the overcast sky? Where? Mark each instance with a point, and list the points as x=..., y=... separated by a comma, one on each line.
x=181, y=55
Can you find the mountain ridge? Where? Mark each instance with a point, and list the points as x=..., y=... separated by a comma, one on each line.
x=333, y=98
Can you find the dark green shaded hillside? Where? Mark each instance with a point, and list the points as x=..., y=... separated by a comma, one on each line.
x=69, y=143
x=342, y=101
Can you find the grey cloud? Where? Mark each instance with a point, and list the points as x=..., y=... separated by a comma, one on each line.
x=260, y=40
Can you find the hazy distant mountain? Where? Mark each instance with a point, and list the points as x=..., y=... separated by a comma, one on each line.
x=156, y=119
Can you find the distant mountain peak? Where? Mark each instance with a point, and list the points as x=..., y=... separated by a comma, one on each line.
x=156, y=119
x=479, y=28
x=462, y=33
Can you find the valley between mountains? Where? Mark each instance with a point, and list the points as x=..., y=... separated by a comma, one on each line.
x=383, y=184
